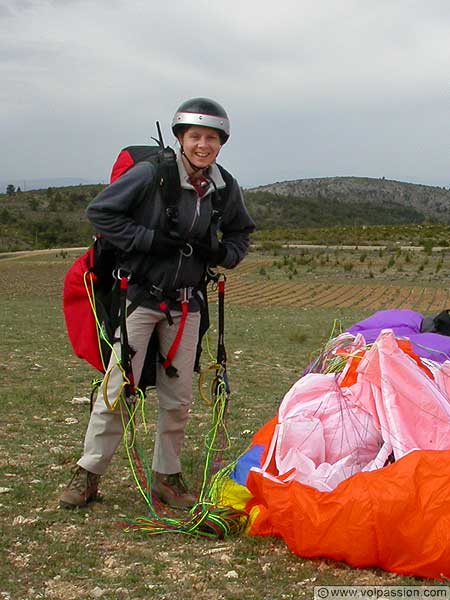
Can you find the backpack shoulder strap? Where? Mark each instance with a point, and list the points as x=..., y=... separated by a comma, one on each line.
x=219, y=200
x=221, y=197
x=169, y=181
x=166, y=178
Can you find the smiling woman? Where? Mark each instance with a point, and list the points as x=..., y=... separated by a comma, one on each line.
x=167, y=237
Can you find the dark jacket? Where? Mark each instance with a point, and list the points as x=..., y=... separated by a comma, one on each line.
x=128, y=212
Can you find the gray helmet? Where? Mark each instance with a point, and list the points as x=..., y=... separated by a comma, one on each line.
x=203, y=112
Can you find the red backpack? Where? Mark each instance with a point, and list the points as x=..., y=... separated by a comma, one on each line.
x=89, y=300
x=87, y=295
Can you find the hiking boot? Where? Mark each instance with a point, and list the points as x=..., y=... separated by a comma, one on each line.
x=81, y=490
x=172, y=490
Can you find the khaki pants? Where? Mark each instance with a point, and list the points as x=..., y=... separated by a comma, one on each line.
x=105, y=428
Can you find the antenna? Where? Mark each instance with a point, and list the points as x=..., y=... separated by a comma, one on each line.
x=160, y=140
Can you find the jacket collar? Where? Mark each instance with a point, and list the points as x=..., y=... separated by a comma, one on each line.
x=213, y=173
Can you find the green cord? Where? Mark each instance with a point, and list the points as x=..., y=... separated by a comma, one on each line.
x=216, y=522
x=205, y=518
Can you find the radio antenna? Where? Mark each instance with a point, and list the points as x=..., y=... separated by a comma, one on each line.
x=160, y=140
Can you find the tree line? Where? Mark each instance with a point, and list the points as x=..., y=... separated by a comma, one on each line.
x=55, y=217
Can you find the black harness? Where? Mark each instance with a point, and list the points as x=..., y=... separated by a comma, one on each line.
x=167, y=180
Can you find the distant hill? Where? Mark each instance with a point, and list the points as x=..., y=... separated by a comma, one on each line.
x=432, y=203
x=44, y=183
x=55, y=216
x=273, y=211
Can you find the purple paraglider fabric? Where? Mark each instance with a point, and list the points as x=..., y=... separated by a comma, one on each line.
x=405, y=323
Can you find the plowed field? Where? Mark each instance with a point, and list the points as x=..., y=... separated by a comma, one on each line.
x=245, y=286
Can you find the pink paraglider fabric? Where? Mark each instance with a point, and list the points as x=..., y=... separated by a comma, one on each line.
x=327, y=432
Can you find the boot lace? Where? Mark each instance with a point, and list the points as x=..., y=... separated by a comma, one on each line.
x=82, y=479
x=177, y=483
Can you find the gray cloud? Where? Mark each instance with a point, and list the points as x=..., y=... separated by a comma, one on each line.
x=313, y=89
x=15, y=6
x=5, y=12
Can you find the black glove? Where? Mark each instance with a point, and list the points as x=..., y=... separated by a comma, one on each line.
x=164, y=244
x=210, y=256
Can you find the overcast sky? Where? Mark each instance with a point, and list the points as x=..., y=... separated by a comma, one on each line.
x=313, y=88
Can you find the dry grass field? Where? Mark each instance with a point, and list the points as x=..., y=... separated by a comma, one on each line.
x=280, y=310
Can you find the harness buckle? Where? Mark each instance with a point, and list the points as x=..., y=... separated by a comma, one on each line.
x=121, y=274
x=172, y=212
x=185, y=294
x=216, y=215
x=156, y=291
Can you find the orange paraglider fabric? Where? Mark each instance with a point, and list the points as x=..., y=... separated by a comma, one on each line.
x=396, y=518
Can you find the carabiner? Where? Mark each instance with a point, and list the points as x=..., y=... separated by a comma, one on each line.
x=188, y=251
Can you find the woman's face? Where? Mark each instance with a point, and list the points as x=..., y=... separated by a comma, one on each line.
x=201, y=145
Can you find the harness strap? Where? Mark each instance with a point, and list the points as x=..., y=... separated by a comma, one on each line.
x=221, y=353
x=162, y=297
x=125, y=350
x=219, y=200
x=171, y=371
x=169, y=183
x=164, y=307
x=184, y=295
